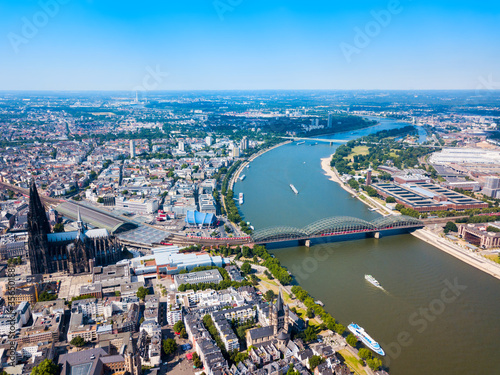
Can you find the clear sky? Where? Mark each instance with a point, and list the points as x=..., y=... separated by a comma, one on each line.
x=248, y=44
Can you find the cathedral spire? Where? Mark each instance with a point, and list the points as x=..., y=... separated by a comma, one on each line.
x=36, y=214
x=79, y=220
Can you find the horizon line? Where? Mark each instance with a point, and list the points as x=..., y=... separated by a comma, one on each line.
x=194, y=90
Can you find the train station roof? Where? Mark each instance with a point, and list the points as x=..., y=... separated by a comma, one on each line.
x=96, y=217
x=144, y=235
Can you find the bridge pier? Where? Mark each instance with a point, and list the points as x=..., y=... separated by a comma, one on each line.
x=306, y=243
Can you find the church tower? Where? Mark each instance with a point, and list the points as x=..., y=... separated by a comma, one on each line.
x=132, y=358
x=38, y=228
x=279, y=315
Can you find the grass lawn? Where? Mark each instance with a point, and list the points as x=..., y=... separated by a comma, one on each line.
x=493, y=257
x=267, y=280
x=359, y=150
x=352, y=362
x=265, y=283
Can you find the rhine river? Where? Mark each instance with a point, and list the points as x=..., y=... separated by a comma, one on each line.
x=424, y=325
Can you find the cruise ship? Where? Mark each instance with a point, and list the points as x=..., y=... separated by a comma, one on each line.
x=373, y=281
x=242, y=177
x=294, y=189
x=240, y=198
x=365, y=338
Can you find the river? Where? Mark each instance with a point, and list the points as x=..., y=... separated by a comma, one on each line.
x=438, y=314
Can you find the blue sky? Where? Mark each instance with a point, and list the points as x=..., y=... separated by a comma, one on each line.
x=248, y=44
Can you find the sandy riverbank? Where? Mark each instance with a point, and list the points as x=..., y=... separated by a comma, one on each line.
x=325, y=165
x=466, y=256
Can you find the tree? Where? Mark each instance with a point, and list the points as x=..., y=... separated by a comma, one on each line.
x=58, y=228
x=196, y=360
x=309, y=334
x=450, y=227
x=310, y=313
x=45, y=296
x=365, y=353
x=46, y=367
x=183, y=334
x=77, y=341
x=353, y=184
x=179, y=326
x=269, y=295
x=169, y=346
x=352, y=340
x=374, y=363
x=141, y=320
x=100, y=200
x=292, y=371
x=118, y=293
x=339, y=328
x=246, y=268
x=315, y=361
x=142, y=292
x=390, y=199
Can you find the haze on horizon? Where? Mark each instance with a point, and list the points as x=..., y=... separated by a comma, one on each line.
x=249, y=45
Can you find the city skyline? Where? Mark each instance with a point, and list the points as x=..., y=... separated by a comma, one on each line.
x=238, y=45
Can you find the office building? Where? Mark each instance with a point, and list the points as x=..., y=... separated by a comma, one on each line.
x=244, y=143
x=132, y=149
x=330, y=120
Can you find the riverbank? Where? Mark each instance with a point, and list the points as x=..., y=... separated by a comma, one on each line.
x=468, y=257
x=336, y=341
x=330, y=172
x=429, y=237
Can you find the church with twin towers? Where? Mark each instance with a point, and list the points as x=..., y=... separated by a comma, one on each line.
x=70, y=252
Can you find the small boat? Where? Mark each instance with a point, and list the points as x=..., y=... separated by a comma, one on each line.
x=294, y=189
x=242, y=177
x=373, y=281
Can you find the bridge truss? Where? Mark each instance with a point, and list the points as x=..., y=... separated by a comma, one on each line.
x=334, y=226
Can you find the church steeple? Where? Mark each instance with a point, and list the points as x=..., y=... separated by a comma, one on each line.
x=37, y=219
x=279, y=302
x=38, y=228
x=79, y=222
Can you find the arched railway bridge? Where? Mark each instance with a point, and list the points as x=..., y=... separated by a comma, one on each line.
x=335, y=228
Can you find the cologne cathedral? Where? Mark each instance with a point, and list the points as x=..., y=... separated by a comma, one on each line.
x=73, y=252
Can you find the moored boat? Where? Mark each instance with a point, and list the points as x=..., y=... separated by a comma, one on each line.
x=365, y=338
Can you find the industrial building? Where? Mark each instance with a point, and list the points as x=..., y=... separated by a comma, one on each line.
x=427, y=197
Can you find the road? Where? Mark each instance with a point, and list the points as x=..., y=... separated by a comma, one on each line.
x=467, y=256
